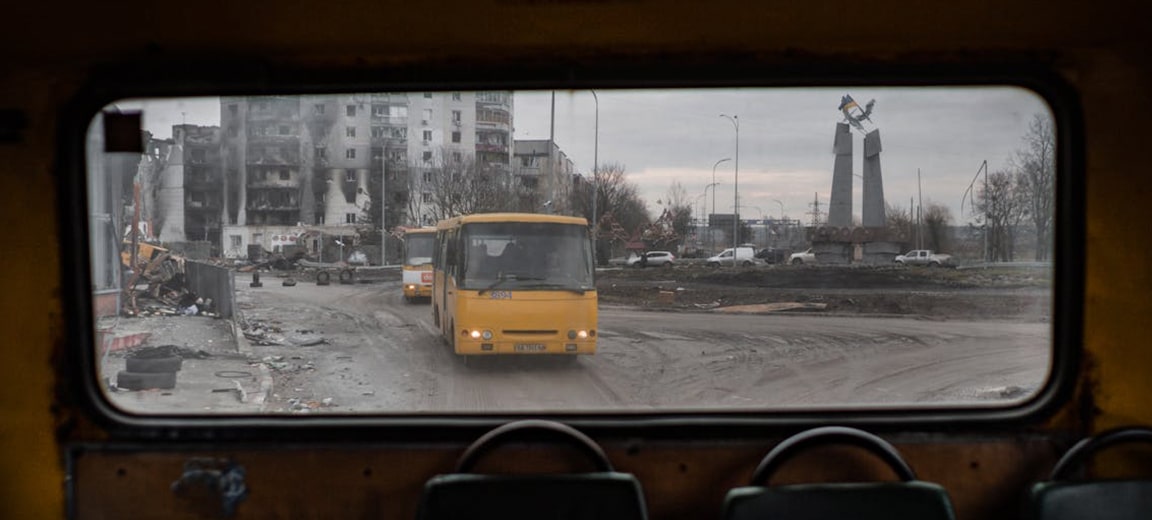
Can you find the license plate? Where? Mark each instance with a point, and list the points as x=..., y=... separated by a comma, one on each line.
x=529, y=347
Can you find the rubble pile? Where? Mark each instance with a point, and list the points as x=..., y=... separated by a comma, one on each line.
x=166, y=293
x=263, y=334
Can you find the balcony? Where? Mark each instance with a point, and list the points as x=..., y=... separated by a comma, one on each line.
x=493, y=148
x=197, y=206
x=391, y=120
x=274, y=160
x=273, y=138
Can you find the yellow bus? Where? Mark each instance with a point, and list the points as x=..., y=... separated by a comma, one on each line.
x=417, y=268
x=510, y=283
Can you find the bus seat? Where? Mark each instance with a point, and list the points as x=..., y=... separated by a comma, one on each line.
x=909, y=498
x=1067, y=496
x=602, y=494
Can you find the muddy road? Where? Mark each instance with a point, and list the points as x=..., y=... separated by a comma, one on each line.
x=381, y=355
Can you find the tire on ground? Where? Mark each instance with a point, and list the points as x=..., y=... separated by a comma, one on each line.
x=145, y=380
x=152, y=365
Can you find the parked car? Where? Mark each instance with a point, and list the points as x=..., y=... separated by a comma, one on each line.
x=803, y=257
x=772, y=255
x=653, y=259
x=745, y=256
x=924, y=257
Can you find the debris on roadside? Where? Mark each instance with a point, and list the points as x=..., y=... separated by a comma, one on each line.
x=307, y=342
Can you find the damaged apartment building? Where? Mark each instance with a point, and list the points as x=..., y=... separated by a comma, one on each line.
x=300, y=170
x=309, y=171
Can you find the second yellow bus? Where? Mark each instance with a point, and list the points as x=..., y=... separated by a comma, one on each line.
x=417, y=269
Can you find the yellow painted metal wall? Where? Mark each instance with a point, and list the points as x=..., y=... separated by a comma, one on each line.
x=1099, y=47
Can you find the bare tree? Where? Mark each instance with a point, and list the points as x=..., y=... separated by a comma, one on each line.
x=1035, y=166
x=899, y=222
x=454, y=184
x=1001, y=208
x=620, y=211
x=678, y=208
x=937, y=219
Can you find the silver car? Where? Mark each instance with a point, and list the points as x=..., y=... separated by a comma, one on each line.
x=653, y=259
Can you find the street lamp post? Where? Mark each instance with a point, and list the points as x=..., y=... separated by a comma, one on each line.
x=735, y=119
x=595, y=178
x=710, y=244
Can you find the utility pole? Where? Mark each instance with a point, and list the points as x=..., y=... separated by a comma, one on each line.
x=920, y=210
x=595, y=180
x=987, y=214
x=384, y=208
x=913, y=215
x=735, y=119
x=551, y=165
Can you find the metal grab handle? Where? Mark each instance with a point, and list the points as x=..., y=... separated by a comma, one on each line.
x=1074, y=459
x=831, y=435
x=533, y=430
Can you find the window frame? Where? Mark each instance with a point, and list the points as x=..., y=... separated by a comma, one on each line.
x=109, y=84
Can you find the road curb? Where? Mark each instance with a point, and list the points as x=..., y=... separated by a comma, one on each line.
x=264, y=381
x=260, y=398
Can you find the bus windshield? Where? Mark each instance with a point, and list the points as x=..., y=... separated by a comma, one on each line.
x=526, y=255
x=418, y=248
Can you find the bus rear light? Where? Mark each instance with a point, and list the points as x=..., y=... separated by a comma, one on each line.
x=487, y=335
x=475, y=334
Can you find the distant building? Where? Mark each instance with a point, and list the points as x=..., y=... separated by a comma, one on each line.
x=297, y=166
x=540, y=165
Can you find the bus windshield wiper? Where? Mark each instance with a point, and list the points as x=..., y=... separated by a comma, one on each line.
x=505, y=278
x=560, y=286
x=498, y=281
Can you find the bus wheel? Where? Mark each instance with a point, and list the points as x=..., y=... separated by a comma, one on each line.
x=323, y=278
x=346, y=276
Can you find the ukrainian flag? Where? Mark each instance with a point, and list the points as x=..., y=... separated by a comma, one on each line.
x=847, y=103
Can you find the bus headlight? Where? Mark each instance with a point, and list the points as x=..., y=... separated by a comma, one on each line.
x=573, y=334
x=487, y=335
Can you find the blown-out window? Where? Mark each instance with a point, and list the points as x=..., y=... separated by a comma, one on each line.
x=862, y=248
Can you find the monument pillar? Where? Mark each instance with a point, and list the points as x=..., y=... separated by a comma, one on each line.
x=840, y=205
x=873, y=210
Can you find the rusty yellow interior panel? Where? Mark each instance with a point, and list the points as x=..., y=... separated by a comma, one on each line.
x=60, y=458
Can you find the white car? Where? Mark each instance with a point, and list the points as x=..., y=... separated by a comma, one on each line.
x=654, y=259
x=803, y=257
x=745, y=256
x=924, y=257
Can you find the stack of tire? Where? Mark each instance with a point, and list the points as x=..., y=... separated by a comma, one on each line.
x=150, y=368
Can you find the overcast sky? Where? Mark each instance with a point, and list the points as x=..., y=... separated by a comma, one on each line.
x=785, y=139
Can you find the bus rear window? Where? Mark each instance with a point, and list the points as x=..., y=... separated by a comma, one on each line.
x=575, y=252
